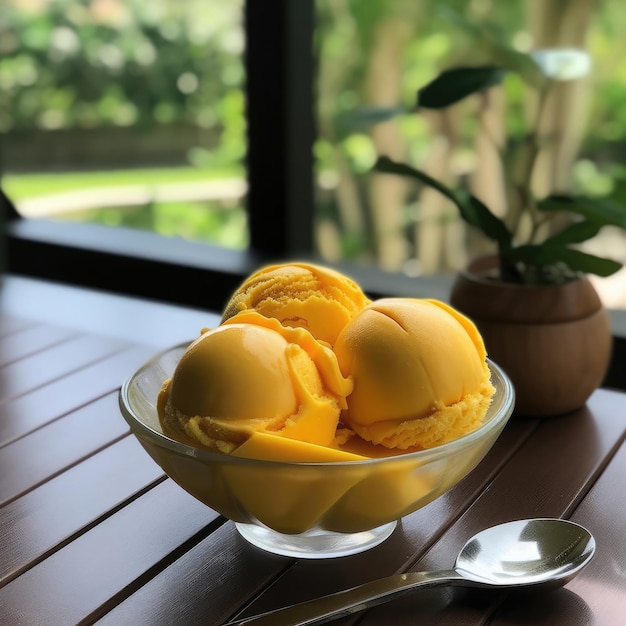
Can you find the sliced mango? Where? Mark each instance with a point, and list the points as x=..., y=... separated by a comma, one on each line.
x=267, y=447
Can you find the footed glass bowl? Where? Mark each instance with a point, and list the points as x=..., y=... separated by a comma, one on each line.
x=308, y=510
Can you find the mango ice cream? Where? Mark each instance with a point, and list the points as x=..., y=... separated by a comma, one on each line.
x=305, y=367
x=254, y=377
x=419, y=372
x=300, y=295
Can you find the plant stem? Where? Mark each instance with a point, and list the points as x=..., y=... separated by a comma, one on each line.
x=522, y=184
x=539, y=221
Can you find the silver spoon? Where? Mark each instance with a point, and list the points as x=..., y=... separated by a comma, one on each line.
x=538, y=553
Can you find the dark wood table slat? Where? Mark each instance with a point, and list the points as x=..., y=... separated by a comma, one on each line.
x=134, y=320
x=603, y=510
x=13, y=323
x=22, y=415
x=80, y=580
x=220, y=574
x=70, y=503
x=30, y=340
x=47, y=451
x=53, y=363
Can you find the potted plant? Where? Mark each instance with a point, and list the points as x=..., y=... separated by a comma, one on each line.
x=539, y=314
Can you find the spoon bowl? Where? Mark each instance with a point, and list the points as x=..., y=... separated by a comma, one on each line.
x=542, y=552
x=538, y=554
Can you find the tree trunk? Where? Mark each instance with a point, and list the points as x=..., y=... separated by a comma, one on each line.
x=383, y=89
x=438, y=229
x=488, y=178
x=560, y=24
x=350, y=220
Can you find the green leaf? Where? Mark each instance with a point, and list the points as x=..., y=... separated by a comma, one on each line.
x=471, y=209
x=552, y=253
x=387, y=166
x=575, y=233
x=588, y=263
x=491, y=225
x=600, y=210
x=369, y=116
x=453, y=85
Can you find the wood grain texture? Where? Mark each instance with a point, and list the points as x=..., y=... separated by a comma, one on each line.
x=220, y=575
x=48, y=517
x=480, y=296
x=54, y=362
x=13, y=323
x=108, y=560
x=20, y=416
x=30, y=340
x=47, y=451
x=603, y=511
x=134, y=320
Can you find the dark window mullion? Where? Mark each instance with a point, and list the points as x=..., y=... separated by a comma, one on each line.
x=281, y=128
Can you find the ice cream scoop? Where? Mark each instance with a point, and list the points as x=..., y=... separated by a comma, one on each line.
x=254, y=377
x=300, y=295
x=419, y=372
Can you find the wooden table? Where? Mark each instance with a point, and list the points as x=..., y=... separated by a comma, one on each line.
x=93, y=532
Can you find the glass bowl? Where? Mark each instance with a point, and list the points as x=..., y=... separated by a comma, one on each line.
x=308, y=510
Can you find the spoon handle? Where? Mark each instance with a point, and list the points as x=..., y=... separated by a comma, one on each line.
x=333, y=606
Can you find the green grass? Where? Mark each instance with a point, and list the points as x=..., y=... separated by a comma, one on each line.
x=200, y=221
x=204, y=221
x=20, y=186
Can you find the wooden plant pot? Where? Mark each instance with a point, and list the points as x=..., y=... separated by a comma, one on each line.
x=553, y=341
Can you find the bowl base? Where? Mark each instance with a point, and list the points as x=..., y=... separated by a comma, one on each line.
x=314, y=544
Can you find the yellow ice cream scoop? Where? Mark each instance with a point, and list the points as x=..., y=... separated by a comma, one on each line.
x=419, y=372
x=256, y=377
x=300, y=295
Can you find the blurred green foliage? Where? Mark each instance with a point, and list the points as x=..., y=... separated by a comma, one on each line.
x=209, y=221
x=87, y=63
x=446, y=34
x=68, y=64
x=81, y=63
